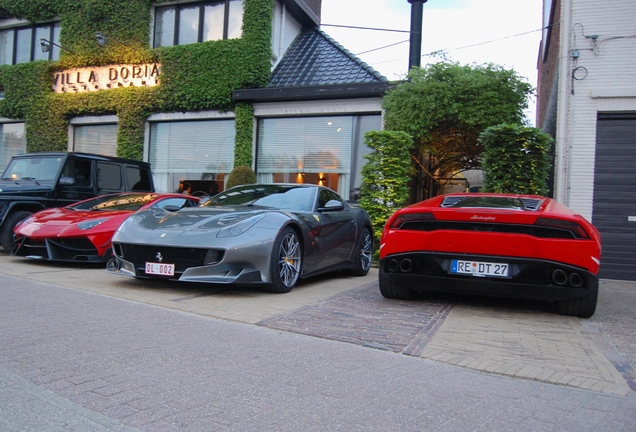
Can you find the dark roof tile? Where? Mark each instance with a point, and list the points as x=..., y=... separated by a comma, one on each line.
x=315, y=59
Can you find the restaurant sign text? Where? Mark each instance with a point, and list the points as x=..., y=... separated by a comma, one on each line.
x=106, y=77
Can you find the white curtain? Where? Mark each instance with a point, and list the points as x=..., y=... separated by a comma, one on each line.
x=306, y=145
x=190, y=150
x=99, y=139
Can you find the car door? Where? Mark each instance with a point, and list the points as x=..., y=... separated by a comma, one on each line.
x=337, y=233
x=75, y=182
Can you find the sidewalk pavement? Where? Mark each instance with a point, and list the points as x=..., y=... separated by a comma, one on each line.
x=167, y=362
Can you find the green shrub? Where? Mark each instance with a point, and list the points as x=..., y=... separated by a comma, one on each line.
x=516, y=159
x=385, y=176
x=240, y=175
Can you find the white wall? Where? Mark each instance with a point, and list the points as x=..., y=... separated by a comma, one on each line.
x=604, y=37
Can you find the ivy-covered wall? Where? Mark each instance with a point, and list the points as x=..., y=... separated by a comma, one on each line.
x=193, y=77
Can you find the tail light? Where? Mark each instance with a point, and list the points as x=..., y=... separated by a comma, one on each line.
x=404, y=218
x=575, y=228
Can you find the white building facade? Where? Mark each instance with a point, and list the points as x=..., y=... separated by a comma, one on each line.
x=587, y=101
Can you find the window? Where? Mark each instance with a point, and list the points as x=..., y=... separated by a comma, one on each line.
x=12, y=141
x=320, y=150
x=108, y=177
x=22, y=44
x=198, y=22
x=138, y=178
x=325, y=197
x=79, y=170
x=96, y=138
x=191, y=154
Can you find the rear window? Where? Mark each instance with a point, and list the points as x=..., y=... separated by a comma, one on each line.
x=138, y=178
x=109, y=176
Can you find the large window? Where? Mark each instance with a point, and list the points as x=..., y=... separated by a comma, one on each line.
x=12, y=142
x=96, y=138
x=23, y=44
x=189, y=156
x=198, y=22
x=321, y=150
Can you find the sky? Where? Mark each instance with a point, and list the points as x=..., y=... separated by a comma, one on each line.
x=503, y=32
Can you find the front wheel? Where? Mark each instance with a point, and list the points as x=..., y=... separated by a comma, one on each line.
x=286, y=262
x=6, y=236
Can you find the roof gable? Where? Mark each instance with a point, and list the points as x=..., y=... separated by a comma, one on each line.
x=315, y=59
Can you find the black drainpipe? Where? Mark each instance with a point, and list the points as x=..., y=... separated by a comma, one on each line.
x=415, y=51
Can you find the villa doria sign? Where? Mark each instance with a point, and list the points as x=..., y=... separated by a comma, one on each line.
x=106, y=77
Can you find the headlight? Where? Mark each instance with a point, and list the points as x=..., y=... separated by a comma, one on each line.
x=239, y=228
x=90, y=224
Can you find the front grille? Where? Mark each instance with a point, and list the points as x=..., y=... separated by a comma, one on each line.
x=532, y=230
x=27, y=247
x=71, y=249
x=182, y=258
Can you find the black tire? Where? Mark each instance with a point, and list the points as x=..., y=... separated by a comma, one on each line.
x=6, y=236
x=583, y=307
x=286, y=262
x=391, y=290
x=364, y=254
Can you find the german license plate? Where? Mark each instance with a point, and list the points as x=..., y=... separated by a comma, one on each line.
x=479, y=268
x=159, y=269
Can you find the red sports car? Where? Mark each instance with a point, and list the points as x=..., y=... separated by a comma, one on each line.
x=83, y=231
x=519, y=246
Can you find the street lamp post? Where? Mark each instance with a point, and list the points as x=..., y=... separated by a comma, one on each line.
x=415, y=48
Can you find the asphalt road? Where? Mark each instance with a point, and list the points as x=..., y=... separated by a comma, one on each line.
x=82, y=349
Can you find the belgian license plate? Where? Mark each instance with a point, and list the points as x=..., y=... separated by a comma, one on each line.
x=159, y=269
x=479, y=268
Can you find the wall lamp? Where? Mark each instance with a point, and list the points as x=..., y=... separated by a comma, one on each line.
x=102, y=39
x=46, y=46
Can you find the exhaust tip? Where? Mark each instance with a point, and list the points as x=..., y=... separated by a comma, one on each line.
x=393, y=265
x=576, y=280
x=406, y=265
x=559, y=277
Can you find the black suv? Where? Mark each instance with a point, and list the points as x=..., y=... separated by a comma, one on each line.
x=34, y=181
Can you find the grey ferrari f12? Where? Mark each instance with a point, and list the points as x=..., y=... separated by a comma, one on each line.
x=266, y=234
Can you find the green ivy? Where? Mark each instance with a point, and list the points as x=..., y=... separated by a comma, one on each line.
x=385, y=176
x=516, y=159
x=198, y=76
x=244, y=135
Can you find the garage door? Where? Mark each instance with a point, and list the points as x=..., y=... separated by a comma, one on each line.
x=614, y=210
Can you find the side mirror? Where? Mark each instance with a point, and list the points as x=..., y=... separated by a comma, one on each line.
x=67, y=181
x=332, y=205
x=172, y=208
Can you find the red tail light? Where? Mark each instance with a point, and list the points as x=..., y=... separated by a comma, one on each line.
x=411, y=217
x=576, y=229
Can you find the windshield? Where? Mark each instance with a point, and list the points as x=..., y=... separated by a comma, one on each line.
x=275, y=196
x=115, y=202
x=33, y=168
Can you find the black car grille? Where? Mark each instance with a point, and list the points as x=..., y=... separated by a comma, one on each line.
x=67, y=249
x=182, y=258
x=27, y=247
x=532, y=230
